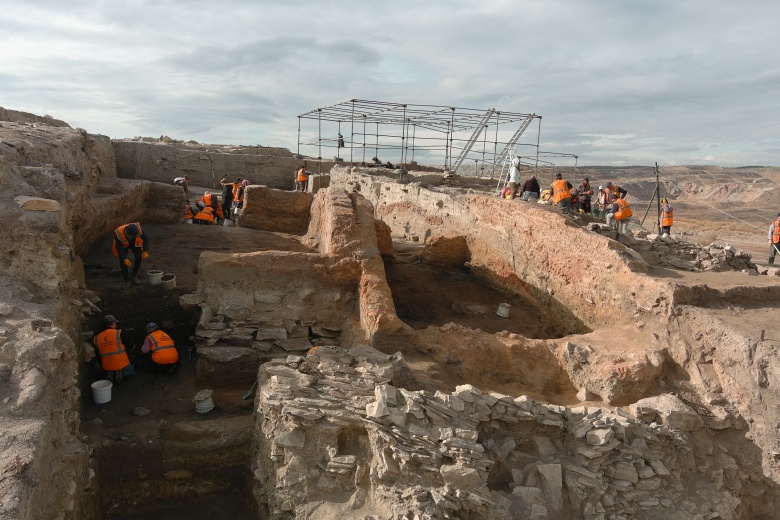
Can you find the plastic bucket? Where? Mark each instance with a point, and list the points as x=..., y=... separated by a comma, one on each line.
x=168, y=281
x=155, y=277
x=203, y=402
x=503, y=310
x=101, y=391
x=188, y=221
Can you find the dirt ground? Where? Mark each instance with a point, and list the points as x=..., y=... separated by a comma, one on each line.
x=425, y=295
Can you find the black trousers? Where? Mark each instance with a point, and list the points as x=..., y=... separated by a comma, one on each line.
x=137, y=252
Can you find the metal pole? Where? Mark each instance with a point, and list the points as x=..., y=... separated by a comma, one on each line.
x=299, y=135
x=495, y=146
x=452, y=131
x=538, y=138
x=319, y=134
x=376, y=150
x=650, y=205
x=352, y=131
x=364, y=139
x=403, y=135
x=319, y=140
x=414, y=133
x=658, y=191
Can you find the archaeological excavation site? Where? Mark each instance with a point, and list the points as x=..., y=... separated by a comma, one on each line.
x=387, y=344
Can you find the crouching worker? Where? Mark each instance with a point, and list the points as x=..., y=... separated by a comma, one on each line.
x=164, y=356
x=111, y=350
x=130, y=238
x=210, y=210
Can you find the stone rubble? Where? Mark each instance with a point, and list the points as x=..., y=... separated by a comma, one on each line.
x=670, y=251
x=401, y=454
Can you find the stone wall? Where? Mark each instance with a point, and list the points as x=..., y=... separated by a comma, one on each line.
x=270, y=209
x=331, y=445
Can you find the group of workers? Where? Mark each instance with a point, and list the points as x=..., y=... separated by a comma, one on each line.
x=610, y=199
x=115, y=360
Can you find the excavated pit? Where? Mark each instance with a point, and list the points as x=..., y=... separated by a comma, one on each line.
x=426, y=295
x=173, y=462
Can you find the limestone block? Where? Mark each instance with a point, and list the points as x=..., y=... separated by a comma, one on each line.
x=671, y=410
x=599, y=437
x=292, y=439
x=294, y=345
x=459, y=476
x=37, y=203
x=275, y=333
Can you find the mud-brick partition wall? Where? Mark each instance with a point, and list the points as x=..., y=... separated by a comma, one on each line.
x=582, y=280
x=206, y=164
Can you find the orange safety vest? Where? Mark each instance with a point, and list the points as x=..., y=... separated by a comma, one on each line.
x=776, y=233
x=120, y=234
x=187, y=211
x=624, y=211
x=560, y=191
x=302, y=177
x=667, y=216
x=163, y=350
x=112, y=352
x=211, y=201
x=236, y=188
x=206, y=214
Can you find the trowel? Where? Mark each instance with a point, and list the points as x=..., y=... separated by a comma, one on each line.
x=250, y=391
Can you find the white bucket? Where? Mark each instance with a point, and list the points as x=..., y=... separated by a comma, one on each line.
x=101, y=391
x=155, y=277
x=168, y=281
x=203, y=402
x=503, y=310
x=227, y=223
x=188, y=221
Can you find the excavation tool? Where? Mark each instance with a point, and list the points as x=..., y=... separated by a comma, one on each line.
x=250, y=391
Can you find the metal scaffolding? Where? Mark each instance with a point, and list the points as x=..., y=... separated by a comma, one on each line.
x=409, y=133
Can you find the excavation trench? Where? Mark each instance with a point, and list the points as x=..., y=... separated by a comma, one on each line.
x=154, y=455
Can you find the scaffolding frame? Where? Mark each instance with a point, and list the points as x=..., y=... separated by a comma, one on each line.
x=452, y=134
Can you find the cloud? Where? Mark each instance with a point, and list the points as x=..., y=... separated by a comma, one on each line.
x=615, y=82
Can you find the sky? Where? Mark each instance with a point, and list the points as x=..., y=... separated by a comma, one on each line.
x=617, y=82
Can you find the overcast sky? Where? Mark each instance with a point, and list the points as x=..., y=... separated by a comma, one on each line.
x=618, y=82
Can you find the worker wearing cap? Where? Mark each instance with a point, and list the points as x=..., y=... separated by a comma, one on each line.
x=164, y=355
x=666, y=217
x=561, y=193
x=130, y=237
x=774, y=239
x=112, y=353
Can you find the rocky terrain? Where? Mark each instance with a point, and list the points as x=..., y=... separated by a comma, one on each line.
x=636, y=375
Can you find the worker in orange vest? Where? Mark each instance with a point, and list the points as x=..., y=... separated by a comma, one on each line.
x=112, y=353
x=164, y=356
x=561, y=193
x=209, y=200
x=301, y=177
x=774, y=239
x=130, y=237
x=620, y=214
x=667, y=217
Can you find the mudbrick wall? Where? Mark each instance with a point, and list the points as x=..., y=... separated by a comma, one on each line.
x=162, y=160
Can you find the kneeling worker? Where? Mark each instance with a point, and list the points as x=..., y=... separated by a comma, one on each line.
x=113, y=356
x=209, y=200
x=165, y=357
